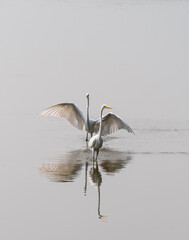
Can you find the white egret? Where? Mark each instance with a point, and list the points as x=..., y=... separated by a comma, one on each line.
x=95, y=143
x=69, y=111
x=73, y=114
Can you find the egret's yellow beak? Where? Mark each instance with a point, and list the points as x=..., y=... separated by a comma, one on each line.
x=87, y=94
x=107, y=107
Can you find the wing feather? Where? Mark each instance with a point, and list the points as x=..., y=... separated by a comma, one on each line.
x=68, y=111
x=112, y=123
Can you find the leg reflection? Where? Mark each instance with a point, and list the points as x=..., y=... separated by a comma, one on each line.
x=96, y=180
x=86, y=170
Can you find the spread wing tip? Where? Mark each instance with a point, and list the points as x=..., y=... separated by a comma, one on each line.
x=42, y=113
x=132, y=131
x=129, y=129
x=45, y=112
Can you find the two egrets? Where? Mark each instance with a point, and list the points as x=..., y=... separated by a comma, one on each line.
x=105, y=125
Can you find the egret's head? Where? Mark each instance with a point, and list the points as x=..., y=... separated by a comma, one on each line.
x=87, y=95
x=105, y=106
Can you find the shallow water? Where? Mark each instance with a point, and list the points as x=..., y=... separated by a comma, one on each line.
x=51, y=189
x=130, y=55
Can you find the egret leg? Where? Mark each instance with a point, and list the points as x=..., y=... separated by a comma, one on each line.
x=87, y=137
x=96, y=165
x=97, y=152
x=93, y=153
x=91, y=134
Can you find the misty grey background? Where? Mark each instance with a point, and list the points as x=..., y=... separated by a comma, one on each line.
x=130, y=55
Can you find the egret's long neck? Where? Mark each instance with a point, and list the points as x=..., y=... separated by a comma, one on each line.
x=88, y=111
x=100, y=128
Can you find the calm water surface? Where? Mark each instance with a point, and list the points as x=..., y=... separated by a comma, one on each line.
x=130, y=55
x=51, y=189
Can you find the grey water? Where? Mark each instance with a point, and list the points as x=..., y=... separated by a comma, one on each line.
x=50, y=188
x=130, y=55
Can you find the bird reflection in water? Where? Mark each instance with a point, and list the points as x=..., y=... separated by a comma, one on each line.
x=96, y=180
x=63, y=169
x=67, y=168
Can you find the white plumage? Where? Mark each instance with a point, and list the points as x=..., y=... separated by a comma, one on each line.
x=110, y=122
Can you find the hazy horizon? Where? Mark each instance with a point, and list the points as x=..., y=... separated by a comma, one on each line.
x=130, y=55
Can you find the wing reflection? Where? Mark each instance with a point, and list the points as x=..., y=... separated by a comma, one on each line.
x=67, y=168
x=114, y=161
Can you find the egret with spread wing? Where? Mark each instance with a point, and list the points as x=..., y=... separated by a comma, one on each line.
x=95, y=143
x=73, y=114
x=69, y=111
x=112, y=123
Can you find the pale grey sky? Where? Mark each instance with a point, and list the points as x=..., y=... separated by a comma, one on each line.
x=133, y=57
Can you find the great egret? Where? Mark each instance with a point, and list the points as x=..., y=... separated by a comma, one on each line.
x=95, y=143
x=69, y=111
x=73, y=114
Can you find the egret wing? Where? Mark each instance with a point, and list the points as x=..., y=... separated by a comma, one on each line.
x=68, y=111
x=112, y=123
